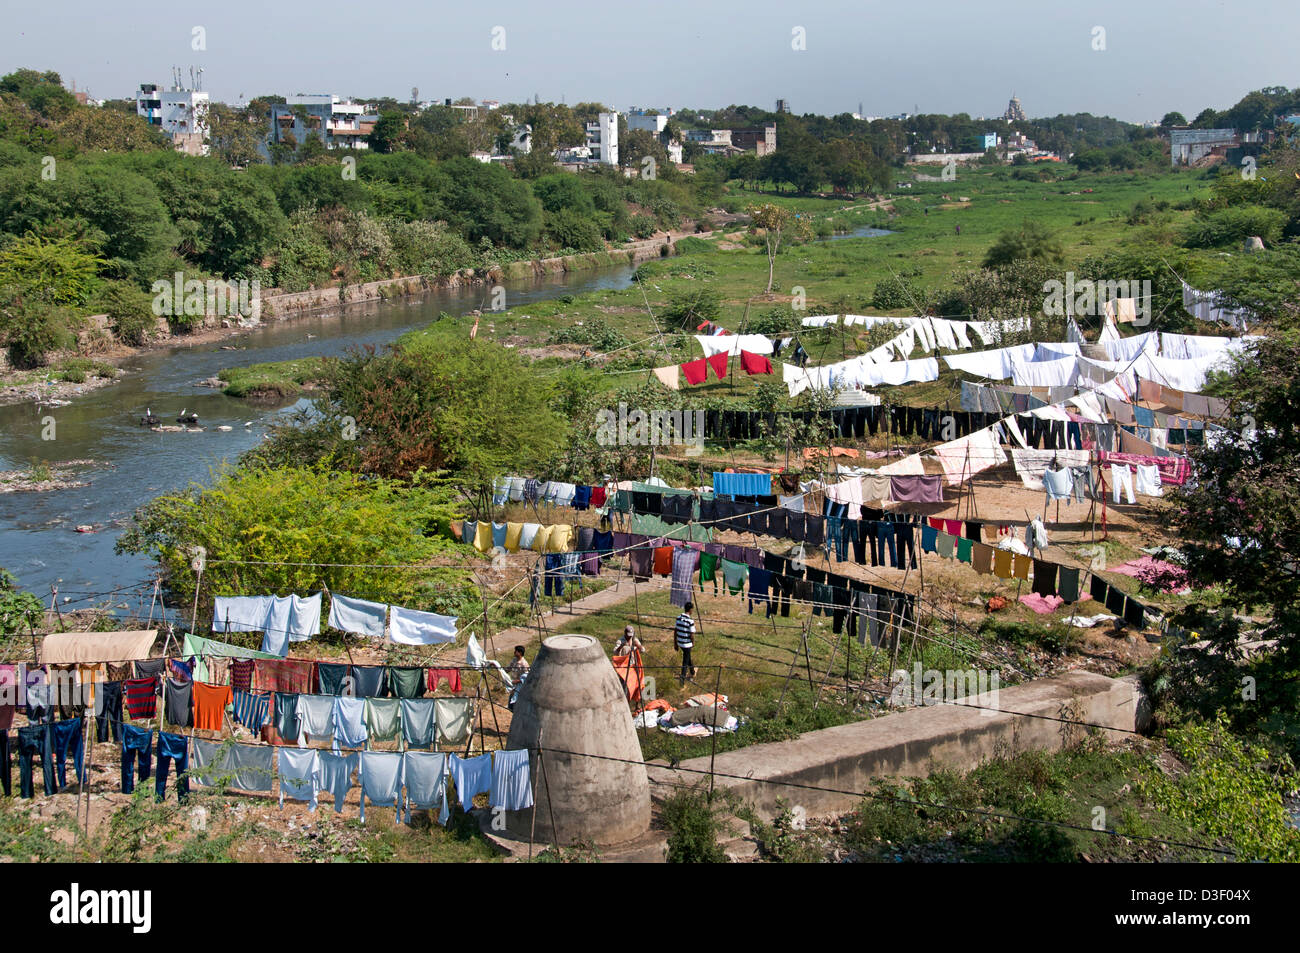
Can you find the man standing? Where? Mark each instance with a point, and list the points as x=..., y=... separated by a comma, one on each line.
x=684, y=640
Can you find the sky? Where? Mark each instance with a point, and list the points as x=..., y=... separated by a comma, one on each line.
x=1131, y=59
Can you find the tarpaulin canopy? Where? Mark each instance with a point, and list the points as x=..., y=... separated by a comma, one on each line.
x=91, y=647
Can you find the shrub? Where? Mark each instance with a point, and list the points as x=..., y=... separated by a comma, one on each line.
x=130, y=312
x=693, y=827
x=893, y=293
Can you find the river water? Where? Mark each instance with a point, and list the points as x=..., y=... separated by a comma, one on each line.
x=38, y=538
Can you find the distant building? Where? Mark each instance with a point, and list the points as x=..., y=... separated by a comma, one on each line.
x=602, y=138
x=783, y=105
x=337, y=123
x=1014, y=111
x=182, y=114
x=1187, y=146
x=761, y=140
x=987, y=141
x=650, y=122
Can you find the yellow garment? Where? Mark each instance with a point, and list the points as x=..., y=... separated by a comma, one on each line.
x=542, y=541
x=1002, y=563
x=1020, y=566
x=512, y=536
x=483, y=536
x=561, y=538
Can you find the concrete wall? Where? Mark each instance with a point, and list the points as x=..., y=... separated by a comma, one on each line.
x=850, y=758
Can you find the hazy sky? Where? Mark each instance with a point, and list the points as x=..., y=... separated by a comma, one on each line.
x=943, y=56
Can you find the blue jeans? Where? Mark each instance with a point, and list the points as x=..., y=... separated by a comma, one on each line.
x=66, y=739
x=135, y=748
x=173, y=747
x=884, y=537
x=34, y=740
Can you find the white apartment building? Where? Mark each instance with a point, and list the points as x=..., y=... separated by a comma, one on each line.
x=182, y=114
x=602, y=138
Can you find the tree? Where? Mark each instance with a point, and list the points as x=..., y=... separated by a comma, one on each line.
x=52, y=271
x=388, y=132
x=1173, y=119
x=772, y=222
x=43, y=92
x=438, y=402
x=482, y=200
x=235, y=135
x=282, y=530
x=1237, y=529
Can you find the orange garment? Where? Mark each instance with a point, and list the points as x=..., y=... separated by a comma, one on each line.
x=663, y=561
x=210, y=703
x=812, y=453
x=631, y=674
x=659, y=704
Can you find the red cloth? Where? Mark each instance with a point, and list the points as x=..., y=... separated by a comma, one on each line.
x=755, y=363
x=452, y=675
x=695, y=372
x=663, y=561
x=273, y=675
x=1174, y=471
x=719, y=364
x=597, y=496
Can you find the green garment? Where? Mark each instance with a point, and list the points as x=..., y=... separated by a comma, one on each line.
x=383, y=718
x=406, y=682
x=647, y=524
x=964, y=547
x=196, y=647
x=709, y=571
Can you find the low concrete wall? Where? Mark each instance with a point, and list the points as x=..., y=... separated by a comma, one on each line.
x=850, y=758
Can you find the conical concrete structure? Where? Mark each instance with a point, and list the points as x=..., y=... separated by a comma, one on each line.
x=572, y=701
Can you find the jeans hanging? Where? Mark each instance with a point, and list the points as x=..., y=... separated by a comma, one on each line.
x=34, y=740
x=173, y=748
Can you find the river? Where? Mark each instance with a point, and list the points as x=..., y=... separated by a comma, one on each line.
x=38, y=538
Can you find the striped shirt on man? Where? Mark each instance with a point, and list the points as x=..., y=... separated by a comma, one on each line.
x=684, y=631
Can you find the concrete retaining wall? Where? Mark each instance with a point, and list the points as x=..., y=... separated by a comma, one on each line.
x=850, y=758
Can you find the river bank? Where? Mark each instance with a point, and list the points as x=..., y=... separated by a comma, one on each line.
x=71, y=375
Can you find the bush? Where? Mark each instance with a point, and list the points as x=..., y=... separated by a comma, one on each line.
x=693, y=828
x=894, y=293
x=32, y=331
x=130, y=312
x=569, y=229
x=294, y=524
x=688, y=309
x=644, y=226
x=1232, y=226
x=1031, y=241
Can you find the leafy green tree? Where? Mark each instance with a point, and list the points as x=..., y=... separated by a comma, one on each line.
x=388, y=132
x=1172, y=119
x=440, y=402
x=282, y=516
x=482, y=200
x=1236, y=526
x=236, y=135
x=43, y=92
x=52, y=271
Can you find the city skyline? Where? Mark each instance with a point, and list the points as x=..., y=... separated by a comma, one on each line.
x=1108, y=59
